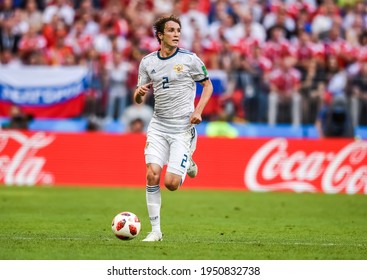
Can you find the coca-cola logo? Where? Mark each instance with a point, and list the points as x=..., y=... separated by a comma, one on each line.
x=24, y=167
x=274, y=167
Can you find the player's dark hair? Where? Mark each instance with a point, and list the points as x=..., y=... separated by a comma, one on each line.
x=159, y=24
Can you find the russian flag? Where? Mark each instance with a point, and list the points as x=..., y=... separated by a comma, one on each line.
x=219, y=80
x=43, y=91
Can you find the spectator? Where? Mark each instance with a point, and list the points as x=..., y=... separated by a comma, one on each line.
x=277, y=47
x=31, y=44
x=107, y=39
x=6, y=10
x=336, y=45
x=221, y=127
x=303, y=23
x=312, y=88
x=251, y=28
x=278, y=16
x=117, y=72
x=79, y=40
x=359, y=96
x=118, y=19
x=334, y=119
x=53, y=29
x=93, y=124
x=85, y=7
x=355, y=13
x=227, y=28
x=305, y=51
x=228, y=61
x=97, y=79
x=8, y=40
x=323, y=19
x=324, y=38
x=62, y=8
x=32, y=16
x=253, y=73
x=295, y=8
x=284, y=90
x=136, y=126
x=353, y=33
x=163, y=7
x=20, y=26
x=254, y=7
x=143, y=39
x=89, y=15
x=8, y=59
x=135, y=111
x=311, y=63
x=336, y=77
x=59, y=53
x=194, y=18
x=17, y=119
x=135, y=9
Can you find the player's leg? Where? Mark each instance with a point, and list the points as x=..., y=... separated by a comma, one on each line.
x=173, y=181
x=193, y=169
x=179, y=159
x=154, y=201
x=156, y=154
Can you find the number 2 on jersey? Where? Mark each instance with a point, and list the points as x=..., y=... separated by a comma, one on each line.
x=184, y=161
x=165, y=82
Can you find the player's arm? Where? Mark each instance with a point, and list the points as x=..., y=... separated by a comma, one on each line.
x=140, y=92
x=144, y=83
x=204, y=99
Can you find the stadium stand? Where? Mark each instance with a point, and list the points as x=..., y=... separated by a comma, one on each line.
x=323, y=43
x=58, y=125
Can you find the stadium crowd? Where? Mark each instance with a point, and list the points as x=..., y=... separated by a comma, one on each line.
x=285, y=61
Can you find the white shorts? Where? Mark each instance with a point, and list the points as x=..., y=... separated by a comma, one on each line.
x=172, y=150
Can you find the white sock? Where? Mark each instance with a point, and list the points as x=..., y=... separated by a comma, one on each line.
x=153, y=196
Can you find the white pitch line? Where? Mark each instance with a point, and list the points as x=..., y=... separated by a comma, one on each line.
x=51, y=238
x=290, y=243
x=196, y=241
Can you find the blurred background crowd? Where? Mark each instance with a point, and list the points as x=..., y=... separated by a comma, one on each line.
x=283, y=61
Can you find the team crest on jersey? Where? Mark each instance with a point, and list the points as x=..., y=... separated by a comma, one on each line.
x=178, y=68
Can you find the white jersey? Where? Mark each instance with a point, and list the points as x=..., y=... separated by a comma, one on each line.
x=174, y=87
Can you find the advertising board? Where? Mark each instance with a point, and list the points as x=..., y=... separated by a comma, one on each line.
x=255, y=164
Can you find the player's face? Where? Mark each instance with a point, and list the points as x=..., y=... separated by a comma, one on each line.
x=171, y=35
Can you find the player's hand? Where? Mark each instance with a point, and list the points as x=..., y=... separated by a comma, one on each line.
x=195, y=118
x=142, y=90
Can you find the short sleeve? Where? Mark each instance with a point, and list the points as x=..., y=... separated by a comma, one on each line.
x=198, y=70
x=143, y=77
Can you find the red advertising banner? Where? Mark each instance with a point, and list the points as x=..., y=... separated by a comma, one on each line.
x=99, y=159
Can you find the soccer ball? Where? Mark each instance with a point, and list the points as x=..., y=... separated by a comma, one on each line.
x=126, y=225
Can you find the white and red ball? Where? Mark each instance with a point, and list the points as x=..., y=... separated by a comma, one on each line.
x=126, y=225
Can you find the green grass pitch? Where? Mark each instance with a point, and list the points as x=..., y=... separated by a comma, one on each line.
x=75, y=223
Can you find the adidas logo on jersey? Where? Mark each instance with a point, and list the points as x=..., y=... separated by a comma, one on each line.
x=152, y=72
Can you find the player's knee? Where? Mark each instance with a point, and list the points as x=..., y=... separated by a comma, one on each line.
x=171, y=187
x=152, y=177
x=172, y=183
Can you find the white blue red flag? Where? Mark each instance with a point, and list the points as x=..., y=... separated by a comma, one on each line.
x=41, y=91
